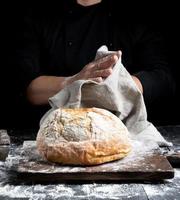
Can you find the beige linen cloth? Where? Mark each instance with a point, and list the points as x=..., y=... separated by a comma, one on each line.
x=117, y=93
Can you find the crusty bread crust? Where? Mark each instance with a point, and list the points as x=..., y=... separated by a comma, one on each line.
x=83, y=136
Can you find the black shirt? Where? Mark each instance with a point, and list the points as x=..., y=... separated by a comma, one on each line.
x=61, y=39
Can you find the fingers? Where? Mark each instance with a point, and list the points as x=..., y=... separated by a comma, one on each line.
x=97, y=79
x=106, y=62
x=99, y=69
x=103, y=67
x=102, y=73
x=119, y=54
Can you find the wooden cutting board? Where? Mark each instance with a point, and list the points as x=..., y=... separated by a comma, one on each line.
x=144, y=163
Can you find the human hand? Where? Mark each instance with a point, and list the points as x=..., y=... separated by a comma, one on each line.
x=98, y=69
x=138, y=83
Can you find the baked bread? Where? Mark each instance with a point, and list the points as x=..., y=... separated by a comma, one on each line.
x=82, y=136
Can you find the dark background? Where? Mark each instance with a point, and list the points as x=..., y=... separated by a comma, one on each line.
x=164, y=17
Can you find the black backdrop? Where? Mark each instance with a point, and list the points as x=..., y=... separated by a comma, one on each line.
x=164, y=17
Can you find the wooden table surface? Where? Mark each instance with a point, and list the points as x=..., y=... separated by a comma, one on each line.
x=165, y=190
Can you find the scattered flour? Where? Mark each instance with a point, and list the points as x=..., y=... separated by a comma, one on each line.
x=87, y=191
x=33, y=161
x=113, y=191
x=167, y=189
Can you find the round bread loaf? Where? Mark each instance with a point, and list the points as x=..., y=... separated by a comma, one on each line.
x=82, y=136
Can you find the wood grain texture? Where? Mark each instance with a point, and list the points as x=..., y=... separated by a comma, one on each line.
x=172, y=134
x=4, y=137
x=167, y=189
x=4, y=144
x=149, y=166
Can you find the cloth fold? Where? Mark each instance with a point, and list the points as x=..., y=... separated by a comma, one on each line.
x=117, y=93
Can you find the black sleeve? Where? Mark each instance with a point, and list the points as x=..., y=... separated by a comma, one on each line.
x=150, y=56
x=27, y=54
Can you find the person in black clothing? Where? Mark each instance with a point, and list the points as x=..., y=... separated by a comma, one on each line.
x=57, y=48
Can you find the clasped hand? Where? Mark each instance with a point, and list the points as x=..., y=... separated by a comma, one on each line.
x=98, y=69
